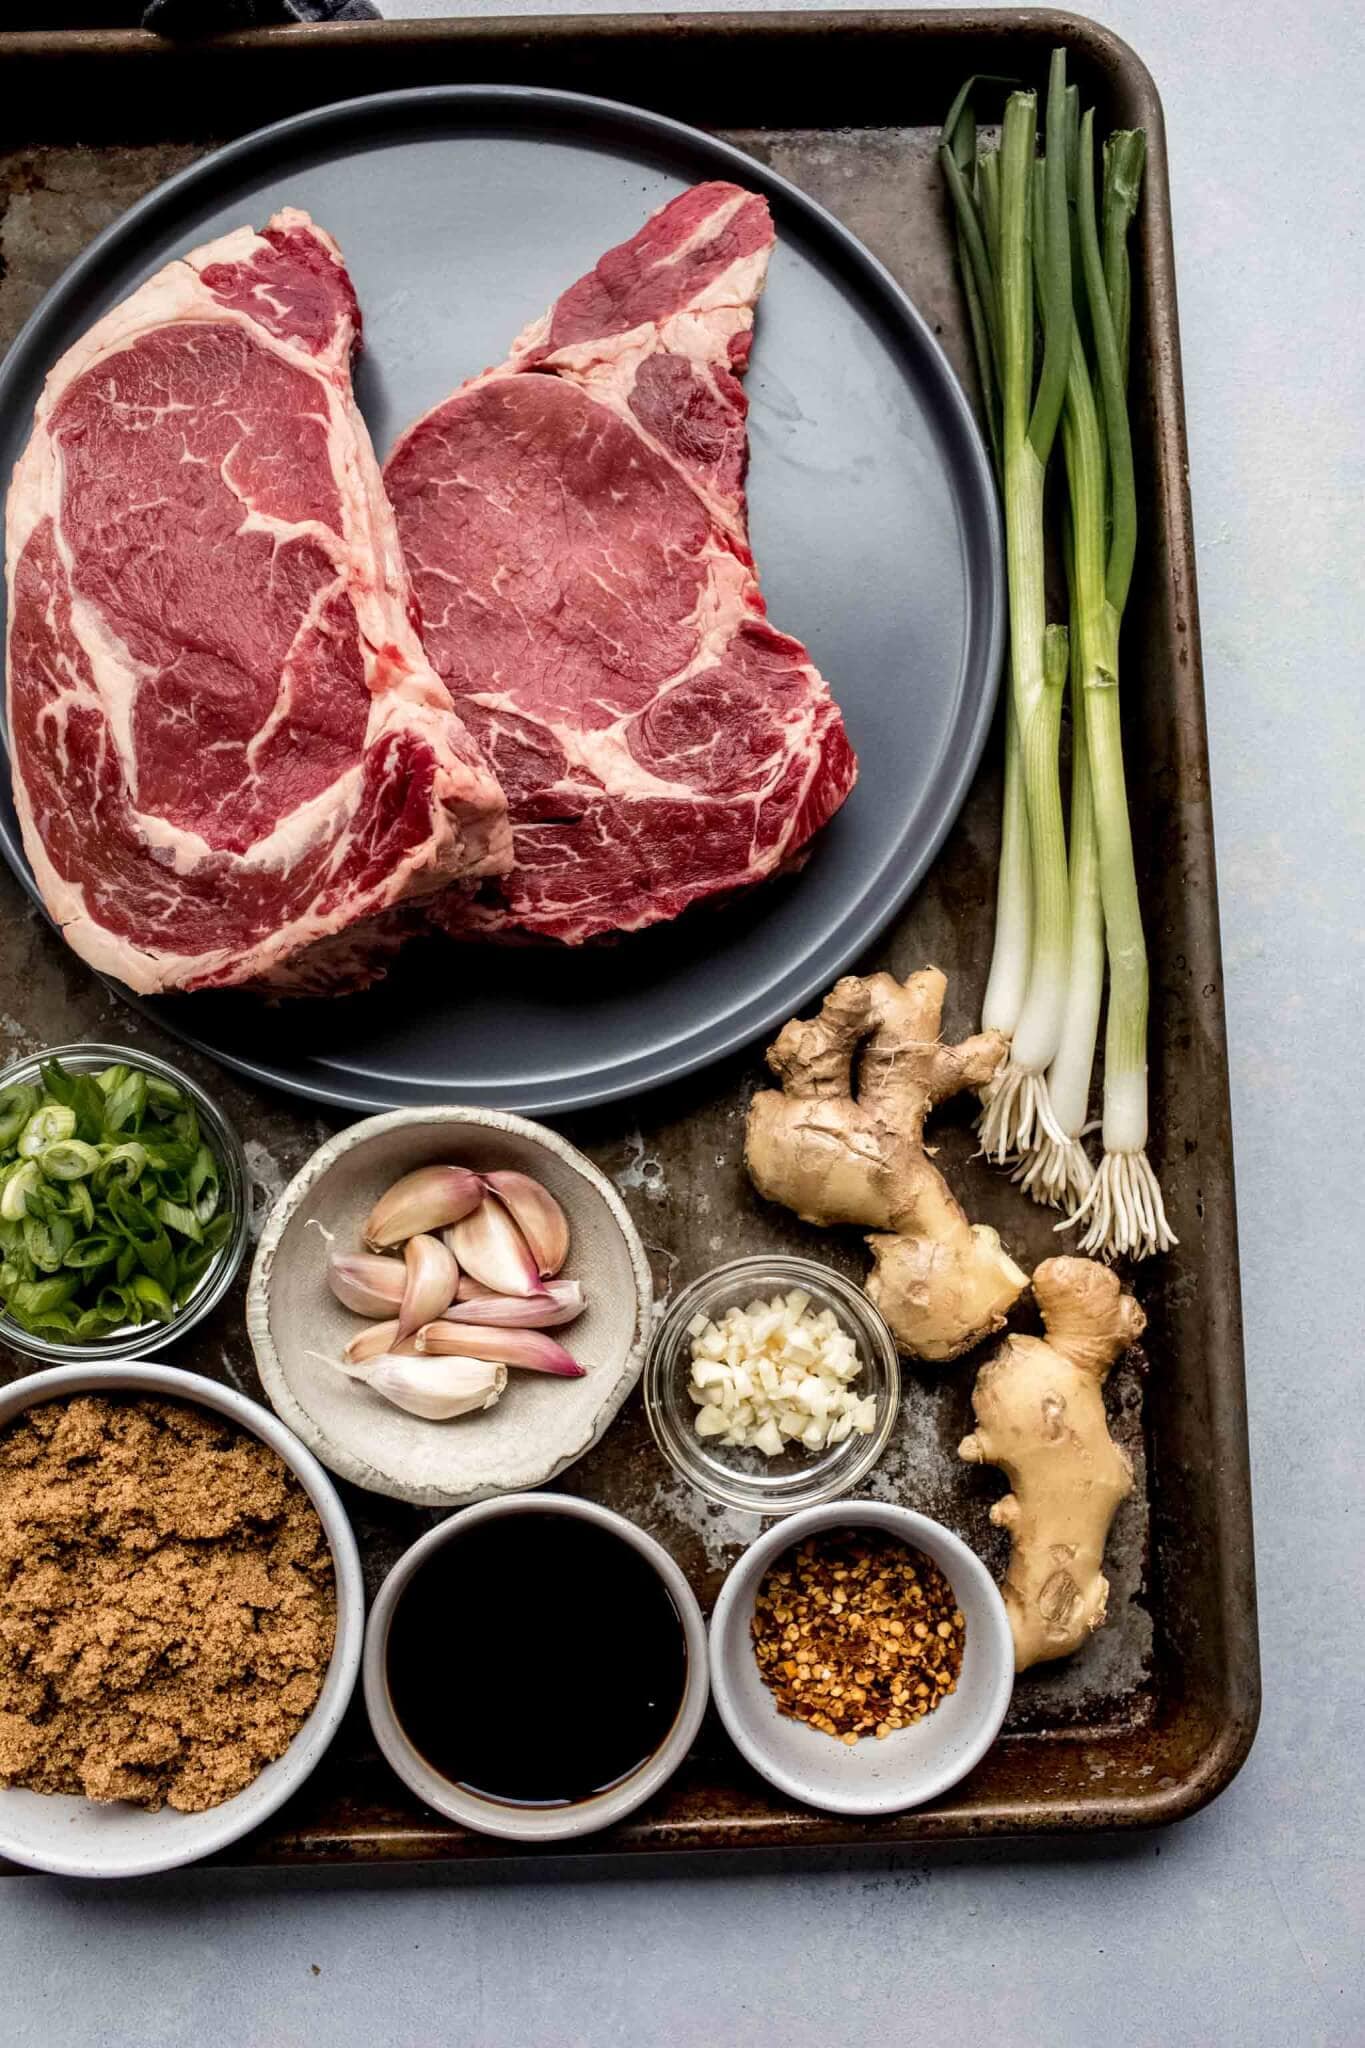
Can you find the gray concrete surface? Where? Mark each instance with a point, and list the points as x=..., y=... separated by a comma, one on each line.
x=1247, y=1925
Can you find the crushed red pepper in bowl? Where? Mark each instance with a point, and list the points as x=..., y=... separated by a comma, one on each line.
x=857, y=1634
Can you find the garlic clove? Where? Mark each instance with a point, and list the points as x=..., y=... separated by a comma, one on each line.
x=561, y=1302
x=376, y=1341
x=489, y=1245
x=369, y=1285
x=530, y=1349
x=469, y=1288
x=437, y=1389
x=423, y=1201
x=537, y=1215
x=432, y=1277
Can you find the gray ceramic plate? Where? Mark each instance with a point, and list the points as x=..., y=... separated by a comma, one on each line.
x=462, y=211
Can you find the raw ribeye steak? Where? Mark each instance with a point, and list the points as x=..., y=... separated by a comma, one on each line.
x=574, y=524
x=227, y=742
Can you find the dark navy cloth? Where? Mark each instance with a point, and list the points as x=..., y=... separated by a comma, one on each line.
x=212, y=17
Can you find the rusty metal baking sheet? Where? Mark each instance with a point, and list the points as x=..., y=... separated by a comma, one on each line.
x=1155, y=1715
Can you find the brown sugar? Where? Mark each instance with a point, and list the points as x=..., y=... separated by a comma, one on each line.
x=857, y=1634
x=167, y=1603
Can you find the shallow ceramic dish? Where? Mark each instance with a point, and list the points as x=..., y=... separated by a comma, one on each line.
x=748, y=1480
x=535, y=1823
x=74, y=1837
x=541, y=1423
x=911, y=1765
x=136, y=1341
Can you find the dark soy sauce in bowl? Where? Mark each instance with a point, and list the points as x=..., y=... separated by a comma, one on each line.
x=536, y=1660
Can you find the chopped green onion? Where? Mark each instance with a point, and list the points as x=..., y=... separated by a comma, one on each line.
x=33, y=1301
x=153, y=1296
x=202, y=1187
x=177, y=1217
x=17, y=1105
x=123, y=1163
x=46, y=1126
x=79, y=1093
x=96, y=1250
x=126, y=1099
x=111, y=1201
x=68, y=1159
x=21, y=1184
x=47, y=1241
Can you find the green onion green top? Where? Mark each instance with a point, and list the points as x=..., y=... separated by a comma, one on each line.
x=110, y=1202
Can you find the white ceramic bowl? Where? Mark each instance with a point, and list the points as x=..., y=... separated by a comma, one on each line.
x=541, y=1423
x=534, y=1823
x=75, y=1837
x=908, y=1767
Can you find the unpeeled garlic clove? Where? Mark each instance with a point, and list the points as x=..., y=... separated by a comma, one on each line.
x=560, y=1303
x=437, y=1389
x=376, y=1341
x=469, y=1288
x=532, y=1350
x=432, y=1277
x=489, y=1245
x=366, y=1283
x=423, y=1201
x=537, y=1216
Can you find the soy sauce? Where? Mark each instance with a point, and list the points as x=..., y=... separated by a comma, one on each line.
x=536, y=1660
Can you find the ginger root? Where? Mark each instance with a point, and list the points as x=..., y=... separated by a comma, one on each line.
x=941, y=1282
x=1039, y=1411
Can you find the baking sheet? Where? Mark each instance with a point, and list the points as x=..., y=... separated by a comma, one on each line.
x=1158, y=1712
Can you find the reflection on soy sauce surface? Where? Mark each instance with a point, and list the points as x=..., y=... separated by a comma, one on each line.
x=536, y=1659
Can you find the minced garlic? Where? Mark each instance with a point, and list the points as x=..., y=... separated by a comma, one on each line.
x=775, y=1374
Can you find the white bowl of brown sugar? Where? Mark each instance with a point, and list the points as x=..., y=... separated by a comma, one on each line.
x=181, y=1618
x=861, y=1657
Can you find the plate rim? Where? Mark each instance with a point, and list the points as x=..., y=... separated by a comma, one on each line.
x=785, y=995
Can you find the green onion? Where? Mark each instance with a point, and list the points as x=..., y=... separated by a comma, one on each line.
x=33, y=1302
x=1032, y=251
x=111, y=1202
x=1026, y=994
x=16, y=1107
x=1123, y=1205
x=1058, y=1170
x=47, y=1242
x=47, y=1126
x=974, y=186
x=21, y=1183
x=68, y=1159
x=125, y=1163
x=153, y=1296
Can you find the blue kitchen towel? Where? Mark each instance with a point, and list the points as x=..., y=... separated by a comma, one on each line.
x=212, y=17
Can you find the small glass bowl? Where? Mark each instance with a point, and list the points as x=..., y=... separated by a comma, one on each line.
x=747, y=1479
x=138, y=1341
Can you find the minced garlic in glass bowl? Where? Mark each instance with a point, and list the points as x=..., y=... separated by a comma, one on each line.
x=776, y=1373
x=772, y=1384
